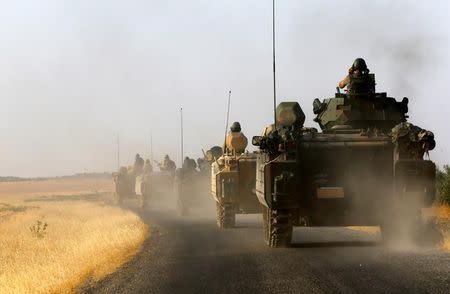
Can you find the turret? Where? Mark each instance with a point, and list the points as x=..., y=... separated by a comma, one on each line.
x=360, y=109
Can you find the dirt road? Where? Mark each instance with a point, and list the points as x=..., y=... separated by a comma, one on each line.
x=191, y=255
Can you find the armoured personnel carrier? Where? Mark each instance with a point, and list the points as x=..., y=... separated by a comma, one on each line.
x=233, y=181
x=128, y=185
x=365, y=167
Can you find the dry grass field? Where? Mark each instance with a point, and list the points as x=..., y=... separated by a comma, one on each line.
x=65, y=186
x=52, y=246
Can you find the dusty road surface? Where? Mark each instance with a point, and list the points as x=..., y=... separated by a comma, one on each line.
x=191, y=255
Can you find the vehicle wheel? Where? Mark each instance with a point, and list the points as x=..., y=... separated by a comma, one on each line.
x=117, y=199
x=226, y=216
x=277, y=227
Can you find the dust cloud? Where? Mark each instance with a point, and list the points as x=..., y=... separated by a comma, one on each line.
x=73, y=75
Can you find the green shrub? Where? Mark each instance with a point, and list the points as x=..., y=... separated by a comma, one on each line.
x=443, y=185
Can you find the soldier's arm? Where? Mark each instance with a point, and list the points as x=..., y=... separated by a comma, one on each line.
x=344, y=82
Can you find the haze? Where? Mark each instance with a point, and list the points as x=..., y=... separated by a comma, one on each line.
x=73, y=74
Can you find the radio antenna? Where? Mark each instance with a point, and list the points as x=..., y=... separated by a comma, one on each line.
x=182, y=137
x=151, y=147
x=274, y=69
x=227, y=121
x=118, y=152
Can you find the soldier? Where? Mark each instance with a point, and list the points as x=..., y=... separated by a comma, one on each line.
x=358, y=79
x=148, y=168
x=189, y=164
x=167, y=165
x=138, y=164
x=235, y=140
x=203, y=165
x=213, y=154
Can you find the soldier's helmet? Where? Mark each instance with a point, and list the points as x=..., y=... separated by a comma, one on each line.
x=235, y=127
x=360, y=65
x=166, y=157
x=137, y=156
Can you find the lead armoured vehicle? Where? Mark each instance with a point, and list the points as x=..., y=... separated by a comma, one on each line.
x=365, y=167
x=233, y=181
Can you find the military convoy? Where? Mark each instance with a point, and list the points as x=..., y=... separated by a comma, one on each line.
x=233, y=180
x=365, y=167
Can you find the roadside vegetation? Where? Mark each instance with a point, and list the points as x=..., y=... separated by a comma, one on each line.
x=50, y=246
x=443, y=185
x=442, y=208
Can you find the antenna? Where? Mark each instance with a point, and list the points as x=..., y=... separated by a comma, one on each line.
x=181, y=130
x=226, y=125
x=151, y=147
x=118, y=152
x=274, y=69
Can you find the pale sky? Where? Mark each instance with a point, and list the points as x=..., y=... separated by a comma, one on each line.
x=75, y=73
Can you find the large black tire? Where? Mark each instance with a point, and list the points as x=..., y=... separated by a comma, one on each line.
x=226, y=215
x=277, y=227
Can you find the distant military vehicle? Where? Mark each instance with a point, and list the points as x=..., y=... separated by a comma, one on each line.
x=366, y=167
x=190, y=186
x=233, y=182
x=128, y=185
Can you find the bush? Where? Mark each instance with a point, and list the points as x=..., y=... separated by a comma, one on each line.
x=443, y=185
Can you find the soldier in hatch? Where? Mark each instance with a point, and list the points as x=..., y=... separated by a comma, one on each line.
x=235, y=142
x=167, y=165
x=189, y=165
x=148, y=168
x=358, y=80
x=138, y=165
x=203, y=165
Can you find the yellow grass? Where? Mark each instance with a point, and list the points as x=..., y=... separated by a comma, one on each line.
x=83, y=240
x=442, y=212
x=66, y=186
